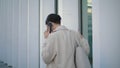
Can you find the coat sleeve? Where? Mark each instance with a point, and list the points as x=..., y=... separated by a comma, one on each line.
x=81, y=41
x=49, y=49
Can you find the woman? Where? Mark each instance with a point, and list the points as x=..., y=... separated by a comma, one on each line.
x=59, y=48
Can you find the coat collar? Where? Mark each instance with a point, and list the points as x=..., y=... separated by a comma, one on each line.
x=60, y=28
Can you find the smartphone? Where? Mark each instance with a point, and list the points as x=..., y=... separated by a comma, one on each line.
x=50, y=25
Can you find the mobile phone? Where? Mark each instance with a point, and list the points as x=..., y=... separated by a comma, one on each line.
x=50, y=25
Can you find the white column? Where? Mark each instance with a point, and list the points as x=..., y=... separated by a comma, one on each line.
x=9, y=32
x=15, y=48
x=33, y=34
x=4, y=20
x=0, y=31
x=96, y=34
x=22, y=41
x=106, y=33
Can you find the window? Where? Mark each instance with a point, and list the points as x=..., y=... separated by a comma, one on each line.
x=85, y=12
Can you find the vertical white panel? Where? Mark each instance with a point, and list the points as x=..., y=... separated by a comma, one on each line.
x=1, y=31
x=15, y=16
x=109, y=18
x=9, y=33
x=2, y=57
x=107, y=40
x=6, y=30
x=19, y=33
x=96, y=34
x=22, y=47
x=33, y=34
x=4, y=20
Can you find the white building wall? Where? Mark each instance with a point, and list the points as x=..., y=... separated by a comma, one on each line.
x=19, y=33
x=106, y=34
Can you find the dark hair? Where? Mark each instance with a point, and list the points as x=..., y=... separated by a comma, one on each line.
x=53, y=18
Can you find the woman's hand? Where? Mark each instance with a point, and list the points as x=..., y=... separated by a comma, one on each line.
x=46, y=34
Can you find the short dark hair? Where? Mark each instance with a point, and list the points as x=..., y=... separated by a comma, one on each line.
x=53, y=18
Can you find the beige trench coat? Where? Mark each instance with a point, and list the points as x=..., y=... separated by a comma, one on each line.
x=58, y=49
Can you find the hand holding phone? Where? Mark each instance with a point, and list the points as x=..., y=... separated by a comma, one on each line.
x=46, y=34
